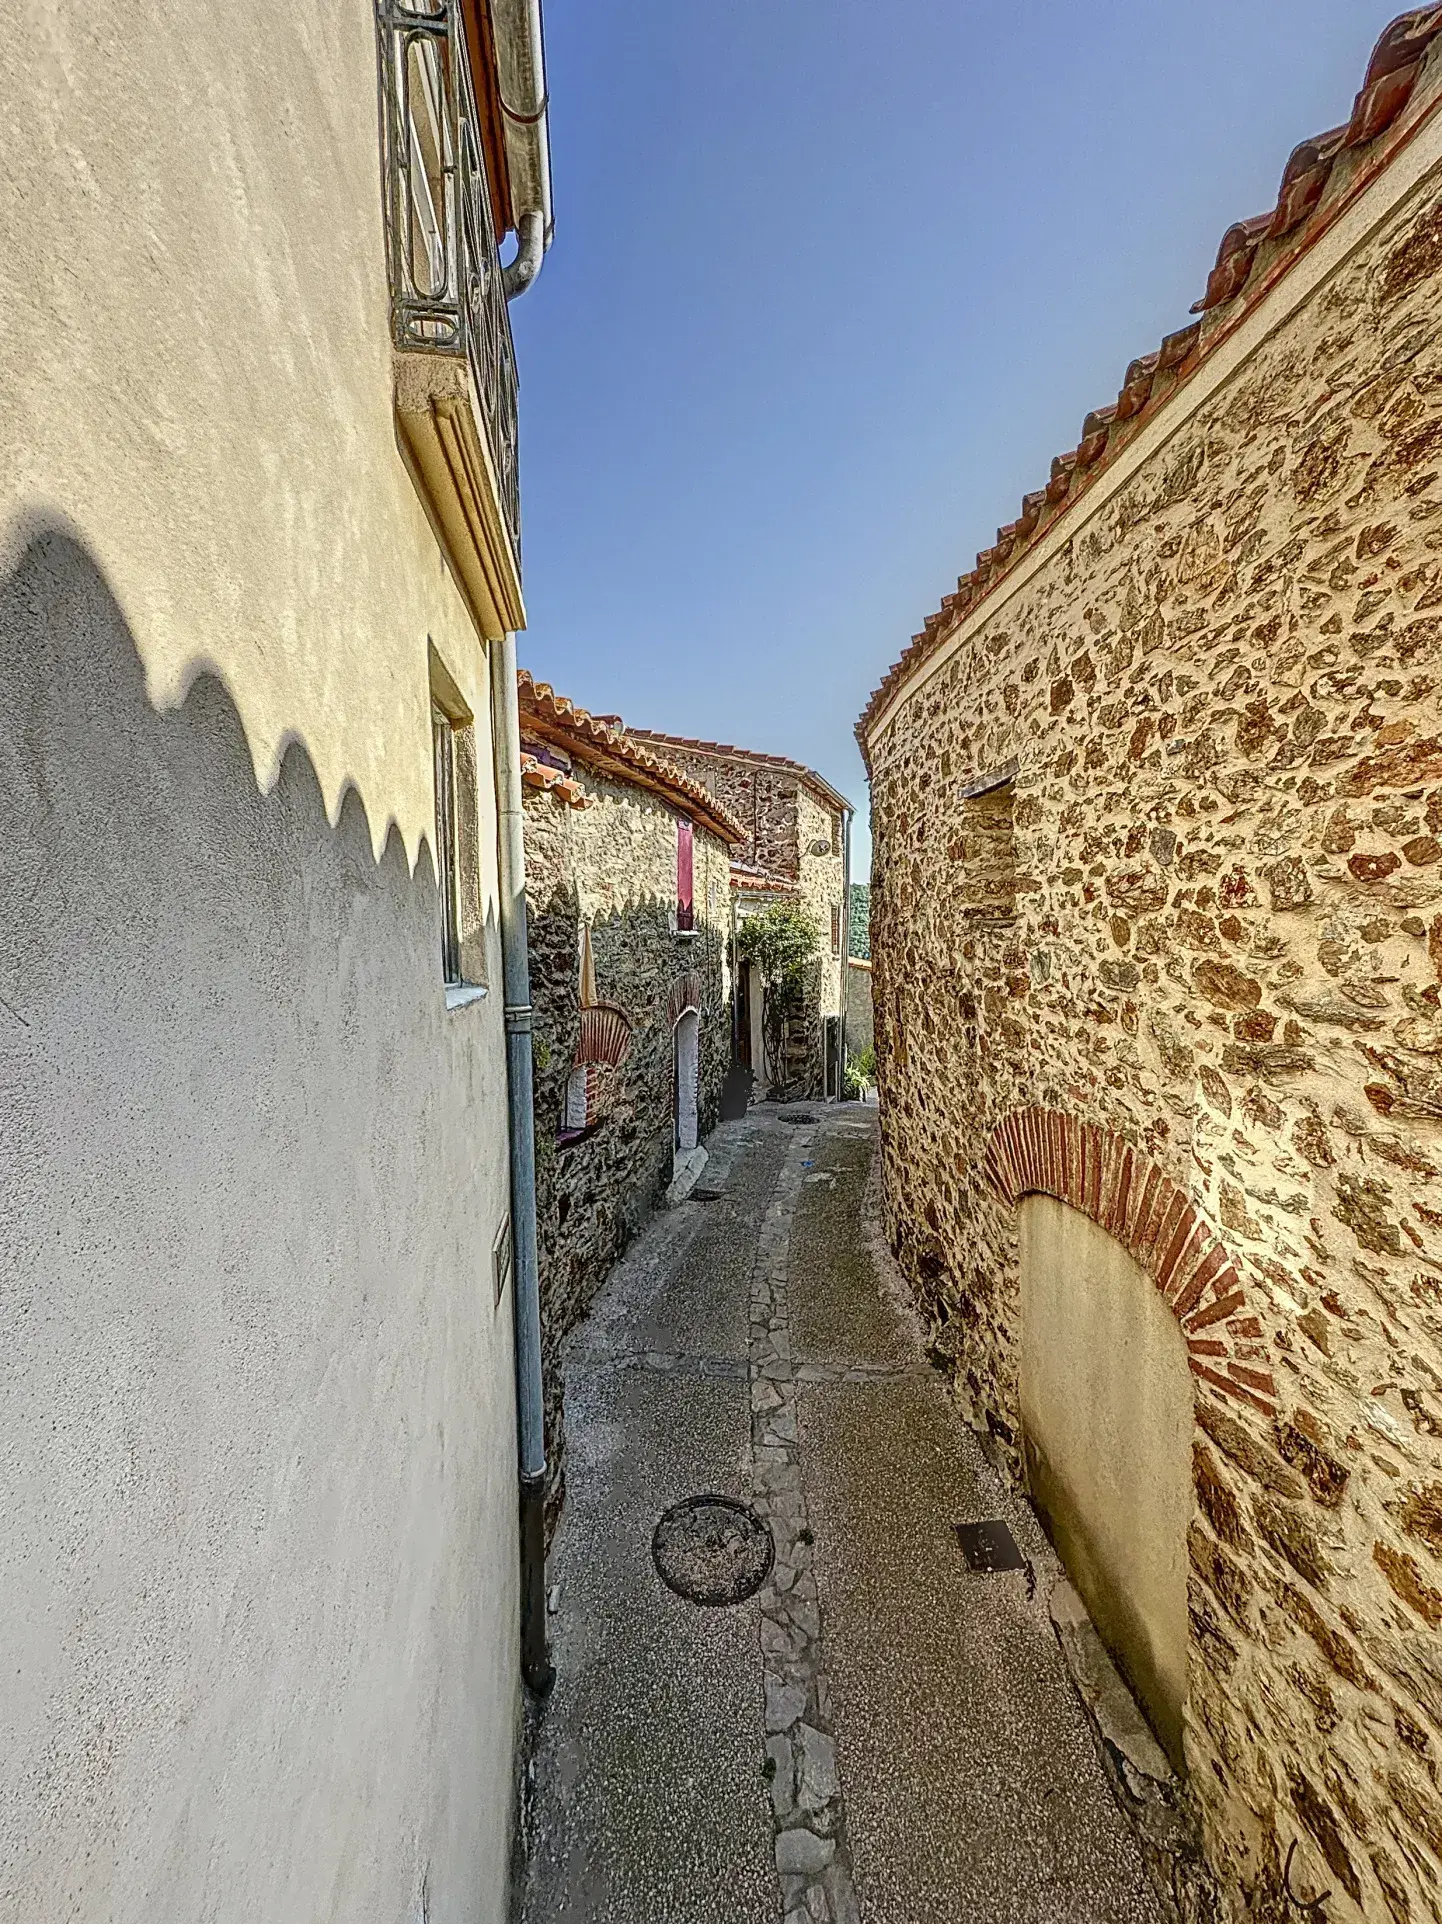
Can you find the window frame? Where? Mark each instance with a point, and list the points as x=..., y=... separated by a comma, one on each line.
x=448, y=866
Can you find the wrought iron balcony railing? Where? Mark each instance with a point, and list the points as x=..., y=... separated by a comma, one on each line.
x=447, y=295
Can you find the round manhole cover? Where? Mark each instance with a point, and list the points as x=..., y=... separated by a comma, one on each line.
x=712, y=1549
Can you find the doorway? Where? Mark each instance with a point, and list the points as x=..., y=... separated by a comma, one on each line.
x=687, y=1059
x=1107, y=1418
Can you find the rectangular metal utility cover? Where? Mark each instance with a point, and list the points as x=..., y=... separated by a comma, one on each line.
x=989, y=1546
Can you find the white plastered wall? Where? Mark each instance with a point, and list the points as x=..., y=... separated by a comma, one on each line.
x=258, y=1542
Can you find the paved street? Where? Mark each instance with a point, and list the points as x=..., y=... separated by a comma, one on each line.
x=877, y=1732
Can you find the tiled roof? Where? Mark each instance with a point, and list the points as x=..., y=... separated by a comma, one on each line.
x=808, y=775
x=762, y=881
x=1323, y=176
x=536, y=774
x=617, y=752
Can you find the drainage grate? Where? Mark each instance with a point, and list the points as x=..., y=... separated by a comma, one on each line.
x=989, y=1546
x=712, y=1549
x=705, y=1195
x=795, y=1115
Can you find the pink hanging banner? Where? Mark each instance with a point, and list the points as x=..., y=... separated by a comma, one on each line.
x=685, y=912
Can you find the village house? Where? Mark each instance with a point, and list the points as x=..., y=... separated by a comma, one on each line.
x=1157, y=940
x=628, y=886
x=264, y=1298
x=797, y=849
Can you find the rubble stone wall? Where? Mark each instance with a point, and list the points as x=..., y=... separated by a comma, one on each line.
x=612, y=866
x=760, y=798
x=1193, y=988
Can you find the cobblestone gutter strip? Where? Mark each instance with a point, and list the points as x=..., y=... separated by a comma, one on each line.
x=812, y=1856
x=664, y=1362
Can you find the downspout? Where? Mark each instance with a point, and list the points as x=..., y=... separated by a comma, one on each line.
x=525, y=105
x=516, y=974
x=517, y=275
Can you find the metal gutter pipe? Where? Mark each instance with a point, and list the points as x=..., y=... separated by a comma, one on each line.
x=525, y=106
x=517, y=275
x=536, y=1665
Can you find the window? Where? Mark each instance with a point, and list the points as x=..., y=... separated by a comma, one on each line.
x=458, y=838
x=985, y=848
x=447, y=876
x=836, y=928
x=685, y=908
x=836, y=833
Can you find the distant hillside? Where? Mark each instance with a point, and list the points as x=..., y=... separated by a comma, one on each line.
x=861, y=920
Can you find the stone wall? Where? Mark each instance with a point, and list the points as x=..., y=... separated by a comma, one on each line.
x=612, y=866
x=822, y=879
x=760, y=795
x=1182, y=969
x=858, y=1008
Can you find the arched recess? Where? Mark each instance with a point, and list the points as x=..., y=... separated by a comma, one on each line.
x=683, y=1009
x=604, y=1044
x=686, y=993
x=1047, y=1152
x=1124, y=1289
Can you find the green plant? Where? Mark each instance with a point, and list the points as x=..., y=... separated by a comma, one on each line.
x=781, y=942
x=860, y=1073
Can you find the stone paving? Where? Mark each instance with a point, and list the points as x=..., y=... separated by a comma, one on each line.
x=878, y=1735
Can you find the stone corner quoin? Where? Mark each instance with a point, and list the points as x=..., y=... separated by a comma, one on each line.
x=1157, y=930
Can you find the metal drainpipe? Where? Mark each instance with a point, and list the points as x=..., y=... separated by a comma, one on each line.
x=536, y=1665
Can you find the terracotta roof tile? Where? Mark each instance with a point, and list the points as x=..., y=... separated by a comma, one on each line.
x=616, y=751
x=1322, y=176
x=537, y=774
x=744, y=876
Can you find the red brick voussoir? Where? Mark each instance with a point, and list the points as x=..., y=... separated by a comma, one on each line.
x=1046, y=1151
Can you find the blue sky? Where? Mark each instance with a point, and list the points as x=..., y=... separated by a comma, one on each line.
x=831, y=284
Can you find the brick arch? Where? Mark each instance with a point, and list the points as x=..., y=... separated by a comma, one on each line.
x=1045, y=1151
x=686, y=996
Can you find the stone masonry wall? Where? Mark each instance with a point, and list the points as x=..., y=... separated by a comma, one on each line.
x=761, y=798
x=1211, y=1015
x=821, y=887
x=613, y=866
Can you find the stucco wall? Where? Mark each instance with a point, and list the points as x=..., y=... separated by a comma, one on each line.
x=1219, y=676
x=612, y=866
x=1105, y=1400
x=259, y=1537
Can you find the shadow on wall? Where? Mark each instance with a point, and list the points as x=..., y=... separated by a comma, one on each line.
x=258, y=1423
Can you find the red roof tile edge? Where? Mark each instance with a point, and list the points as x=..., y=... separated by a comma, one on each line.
x=536, y=774
x=763, y=881
x=1322, y=177
x=546, y=710
x=817, y=782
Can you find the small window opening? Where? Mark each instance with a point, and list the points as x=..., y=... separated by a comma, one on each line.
x=458, y=834
x=985, y=849
x=447, y=867
x=836, y=834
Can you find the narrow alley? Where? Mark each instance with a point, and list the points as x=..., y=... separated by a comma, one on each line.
x=878, y=1732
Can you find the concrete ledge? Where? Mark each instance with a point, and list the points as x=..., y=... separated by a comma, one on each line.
x=686, y=1172
x=1141, y=1776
